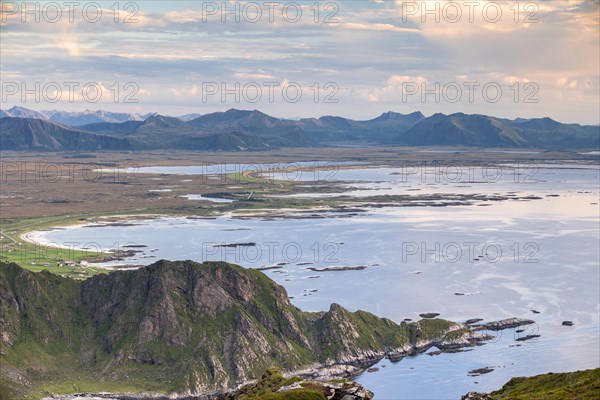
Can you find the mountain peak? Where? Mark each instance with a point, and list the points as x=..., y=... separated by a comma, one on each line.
x=161, y=121
x=389, y=115
x=237, y=111
x=548, y=120
x=22, y=112
x=19, y=108
x=159, y=117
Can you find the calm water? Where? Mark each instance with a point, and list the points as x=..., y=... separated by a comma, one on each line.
x=295, y=169
x=495, y=261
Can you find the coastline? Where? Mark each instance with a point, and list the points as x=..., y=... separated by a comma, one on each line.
x=37, y=236
x=339, y=369
x=33, y=250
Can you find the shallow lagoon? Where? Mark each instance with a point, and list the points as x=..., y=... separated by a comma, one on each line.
x=492, y=262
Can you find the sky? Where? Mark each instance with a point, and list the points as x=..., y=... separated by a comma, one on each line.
x=295, y=59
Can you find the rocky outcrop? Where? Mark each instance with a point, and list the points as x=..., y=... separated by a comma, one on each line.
x=503, y=324
x=296, y=387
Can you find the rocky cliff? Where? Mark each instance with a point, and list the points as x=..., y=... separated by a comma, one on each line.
x=183, y=327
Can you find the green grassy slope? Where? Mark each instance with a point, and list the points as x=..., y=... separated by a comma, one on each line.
x=580, y=385
x=174, y=327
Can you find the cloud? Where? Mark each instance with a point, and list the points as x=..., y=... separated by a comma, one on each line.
x=248, y=75
x=372, y=49
x=69, y=42
x=377, y=27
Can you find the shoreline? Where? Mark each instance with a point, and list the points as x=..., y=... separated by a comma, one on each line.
x=96, y=258
x=37, y=236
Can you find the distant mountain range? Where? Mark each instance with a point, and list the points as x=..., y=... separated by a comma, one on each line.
x=71, y=118
x=232, y=130
x=81, y=118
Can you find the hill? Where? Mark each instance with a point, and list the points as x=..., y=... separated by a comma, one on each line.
x=37, y=134
x=282, y=133
x=233, y=130
x=484, y=131
x=579, y=385
x=183, y=327
x=461, y=130
x=332, y=130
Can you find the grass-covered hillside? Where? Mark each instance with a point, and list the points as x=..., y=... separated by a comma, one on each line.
x=579, y=385
x=178, y=327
